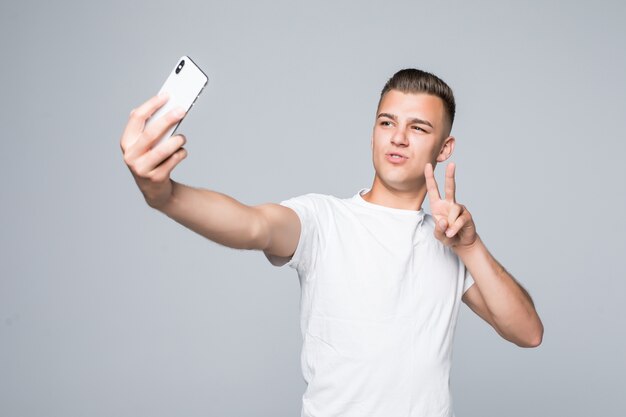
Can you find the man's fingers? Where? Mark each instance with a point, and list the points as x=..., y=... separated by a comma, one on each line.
x=431, y=184
x=440, y=228
x=456, y=226
x=155, y=131
x=138, y=117
x=454, y=213
x=151, y=160
x=163, y=171
x=450, y=183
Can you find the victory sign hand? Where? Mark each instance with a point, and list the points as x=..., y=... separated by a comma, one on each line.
x=454, y=225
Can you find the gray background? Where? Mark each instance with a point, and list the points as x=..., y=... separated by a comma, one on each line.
x=108, y=308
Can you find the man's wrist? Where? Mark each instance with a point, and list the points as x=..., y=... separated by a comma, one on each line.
x=167, y=203
x=466, y=250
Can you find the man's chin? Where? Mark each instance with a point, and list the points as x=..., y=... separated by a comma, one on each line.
x=402, y=184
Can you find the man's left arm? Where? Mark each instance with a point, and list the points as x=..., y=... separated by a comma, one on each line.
x=508, y=306
x=496, y=296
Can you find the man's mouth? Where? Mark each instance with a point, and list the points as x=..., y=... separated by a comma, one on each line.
x=395, y=158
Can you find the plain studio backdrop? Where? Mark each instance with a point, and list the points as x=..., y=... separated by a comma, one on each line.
x=109, y=308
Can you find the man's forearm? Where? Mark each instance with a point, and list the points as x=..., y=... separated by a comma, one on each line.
x=213, y=215
x=510, y=305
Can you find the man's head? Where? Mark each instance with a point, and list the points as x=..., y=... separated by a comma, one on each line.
x=415, y=81
x=413, y=120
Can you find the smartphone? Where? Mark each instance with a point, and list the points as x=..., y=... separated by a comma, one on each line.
x=184, y=85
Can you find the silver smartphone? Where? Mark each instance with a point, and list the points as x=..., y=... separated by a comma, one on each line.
x=184, y=85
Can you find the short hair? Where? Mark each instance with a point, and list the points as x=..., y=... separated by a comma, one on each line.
x=412, y=80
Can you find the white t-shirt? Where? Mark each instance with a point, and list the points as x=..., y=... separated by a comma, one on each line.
x=380, y=297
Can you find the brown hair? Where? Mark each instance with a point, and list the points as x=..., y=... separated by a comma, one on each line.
x=411, y=80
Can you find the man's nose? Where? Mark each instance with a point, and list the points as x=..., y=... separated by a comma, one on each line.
x=399, y=137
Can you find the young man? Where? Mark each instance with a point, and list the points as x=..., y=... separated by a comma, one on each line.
x=381, y=279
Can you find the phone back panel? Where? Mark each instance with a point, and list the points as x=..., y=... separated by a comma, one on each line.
x=183, y=87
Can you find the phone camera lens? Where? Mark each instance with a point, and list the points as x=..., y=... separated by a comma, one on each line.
x=180, y=66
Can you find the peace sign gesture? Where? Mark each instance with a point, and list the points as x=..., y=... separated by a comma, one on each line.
x=454, y=225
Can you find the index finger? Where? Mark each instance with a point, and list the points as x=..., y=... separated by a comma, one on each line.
x=450, y=183
x=431, y=184
x=138, y=117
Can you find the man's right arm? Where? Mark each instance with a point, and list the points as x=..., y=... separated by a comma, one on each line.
x=273, y=228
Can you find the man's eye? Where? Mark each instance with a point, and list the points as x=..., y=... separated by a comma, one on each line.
x=385, y=123
x=418, y=128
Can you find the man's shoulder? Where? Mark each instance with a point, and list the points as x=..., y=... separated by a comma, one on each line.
x=318, y=205
x=314, y=199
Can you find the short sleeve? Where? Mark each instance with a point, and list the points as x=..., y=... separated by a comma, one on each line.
x=468, y=280
x=303, y=258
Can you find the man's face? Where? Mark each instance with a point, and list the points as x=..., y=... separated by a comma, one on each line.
x=413, y=126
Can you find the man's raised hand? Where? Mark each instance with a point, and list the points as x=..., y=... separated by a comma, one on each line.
x=151, y=167
x=454, y=225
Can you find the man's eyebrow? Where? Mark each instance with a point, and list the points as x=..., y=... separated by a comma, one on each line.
x=388, y=115
x=420, y=122
x=411, y=121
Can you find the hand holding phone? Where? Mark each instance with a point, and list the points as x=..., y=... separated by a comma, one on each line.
x=155, y=121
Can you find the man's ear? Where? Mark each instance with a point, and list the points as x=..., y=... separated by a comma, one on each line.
x=372, y=143
x=446, y=149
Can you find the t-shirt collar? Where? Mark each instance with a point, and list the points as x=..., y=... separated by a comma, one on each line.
x=358, y=198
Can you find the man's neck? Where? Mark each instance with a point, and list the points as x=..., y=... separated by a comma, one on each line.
x=384, y=195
